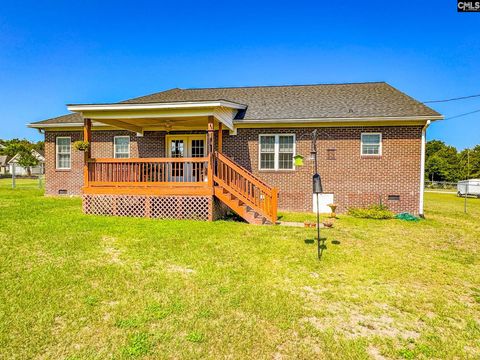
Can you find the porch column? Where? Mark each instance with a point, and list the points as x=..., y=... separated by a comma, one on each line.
x=210, y=150
x=220, y=137
x=87, y=136
x=210, y=135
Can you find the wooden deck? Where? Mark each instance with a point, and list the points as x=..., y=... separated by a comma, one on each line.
x=213, y=176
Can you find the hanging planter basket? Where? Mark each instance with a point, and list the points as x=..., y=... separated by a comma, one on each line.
x=81, y=145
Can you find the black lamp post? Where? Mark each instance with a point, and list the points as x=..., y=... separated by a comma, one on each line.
x=317, y=187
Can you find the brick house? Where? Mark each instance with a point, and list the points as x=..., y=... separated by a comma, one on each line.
x=193, y=152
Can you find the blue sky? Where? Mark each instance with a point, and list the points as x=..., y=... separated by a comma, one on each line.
x=58, y=52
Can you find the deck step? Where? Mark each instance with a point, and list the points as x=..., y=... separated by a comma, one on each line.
x=243, y=210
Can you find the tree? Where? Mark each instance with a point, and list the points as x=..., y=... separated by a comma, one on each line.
x=470, y=163
x=27, y=159
x=433, y=146
x=441, y=163
x=452, y=169
x=445, y=163
x=39, y=145
x=23, y=148
x=13, y=146
x=475, y=162
x=435, y=168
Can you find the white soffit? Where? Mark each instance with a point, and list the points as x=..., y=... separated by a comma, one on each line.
x=224, y=111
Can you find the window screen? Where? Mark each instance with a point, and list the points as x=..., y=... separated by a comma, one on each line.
x=267, y=152
x=64, y=152
x=276, y=152
x=371, y=144
x=121, y=147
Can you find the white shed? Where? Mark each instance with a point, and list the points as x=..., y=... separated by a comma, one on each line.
x=469, y=187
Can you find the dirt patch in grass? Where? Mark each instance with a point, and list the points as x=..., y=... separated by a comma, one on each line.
x=375, y=353
x=357, y=321
x=112, y=252
x=180, y=269
x=350, y=321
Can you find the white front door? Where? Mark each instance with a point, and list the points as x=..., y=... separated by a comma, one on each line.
x=186, y=146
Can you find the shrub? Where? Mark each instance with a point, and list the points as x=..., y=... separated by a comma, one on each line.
x=371, y=212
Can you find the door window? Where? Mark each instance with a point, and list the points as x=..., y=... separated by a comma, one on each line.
x=177, y=148
x=198, y=148
x=187, y=146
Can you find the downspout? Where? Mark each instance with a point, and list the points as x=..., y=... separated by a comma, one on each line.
x=422, y=169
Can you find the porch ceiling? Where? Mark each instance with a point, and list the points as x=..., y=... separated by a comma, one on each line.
x=161, y=116
x=139, y=125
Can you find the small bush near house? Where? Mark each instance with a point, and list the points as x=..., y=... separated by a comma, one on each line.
x=379, y=212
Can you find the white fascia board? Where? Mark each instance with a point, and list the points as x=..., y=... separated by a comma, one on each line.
x=333, y=120
x=270, y=121
x=156, y=106
x=60, y=125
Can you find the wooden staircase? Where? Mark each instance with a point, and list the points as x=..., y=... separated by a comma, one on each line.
x=243, y=192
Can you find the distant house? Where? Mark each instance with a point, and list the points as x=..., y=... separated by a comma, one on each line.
x=23, y=171
x=3, y=163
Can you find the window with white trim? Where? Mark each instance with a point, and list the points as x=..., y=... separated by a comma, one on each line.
x=121, y=147
x=371, y=144
x=276, y=151
x=63, y=149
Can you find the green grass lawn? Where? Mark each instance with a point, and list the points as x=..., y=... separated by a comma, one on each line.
x=75, y=286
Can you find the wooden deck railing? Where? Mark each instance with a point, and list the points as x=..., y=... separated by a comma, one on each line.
x=147, y=171
x=178, y=175
x=246, y=186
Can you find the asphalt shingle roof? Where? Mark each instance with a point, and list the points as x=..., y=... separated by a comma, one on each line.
x=357, y=100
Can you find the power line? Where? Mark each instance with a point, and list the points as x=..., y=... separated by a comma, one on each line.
x=452, y=99
x=464, y=114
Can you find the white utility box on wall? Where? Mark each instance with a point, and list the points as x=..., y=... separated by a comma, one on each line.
x=323, y=200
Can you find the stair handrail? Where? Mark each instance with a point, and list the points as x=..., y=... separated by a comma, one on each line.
x=270, y=193
x=233, y=164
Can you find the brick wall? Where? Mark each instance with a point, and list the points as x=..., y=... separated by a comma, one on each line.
x=354, y=180
x=152, y=144
x=57, y=180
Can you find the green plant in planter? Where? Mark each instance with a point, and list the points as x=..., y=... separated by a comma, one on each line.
x=81, y=145
x=298, y=160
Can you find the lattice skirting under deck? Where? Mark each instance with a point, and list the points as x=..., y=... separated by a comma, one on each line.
x=161, y=207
